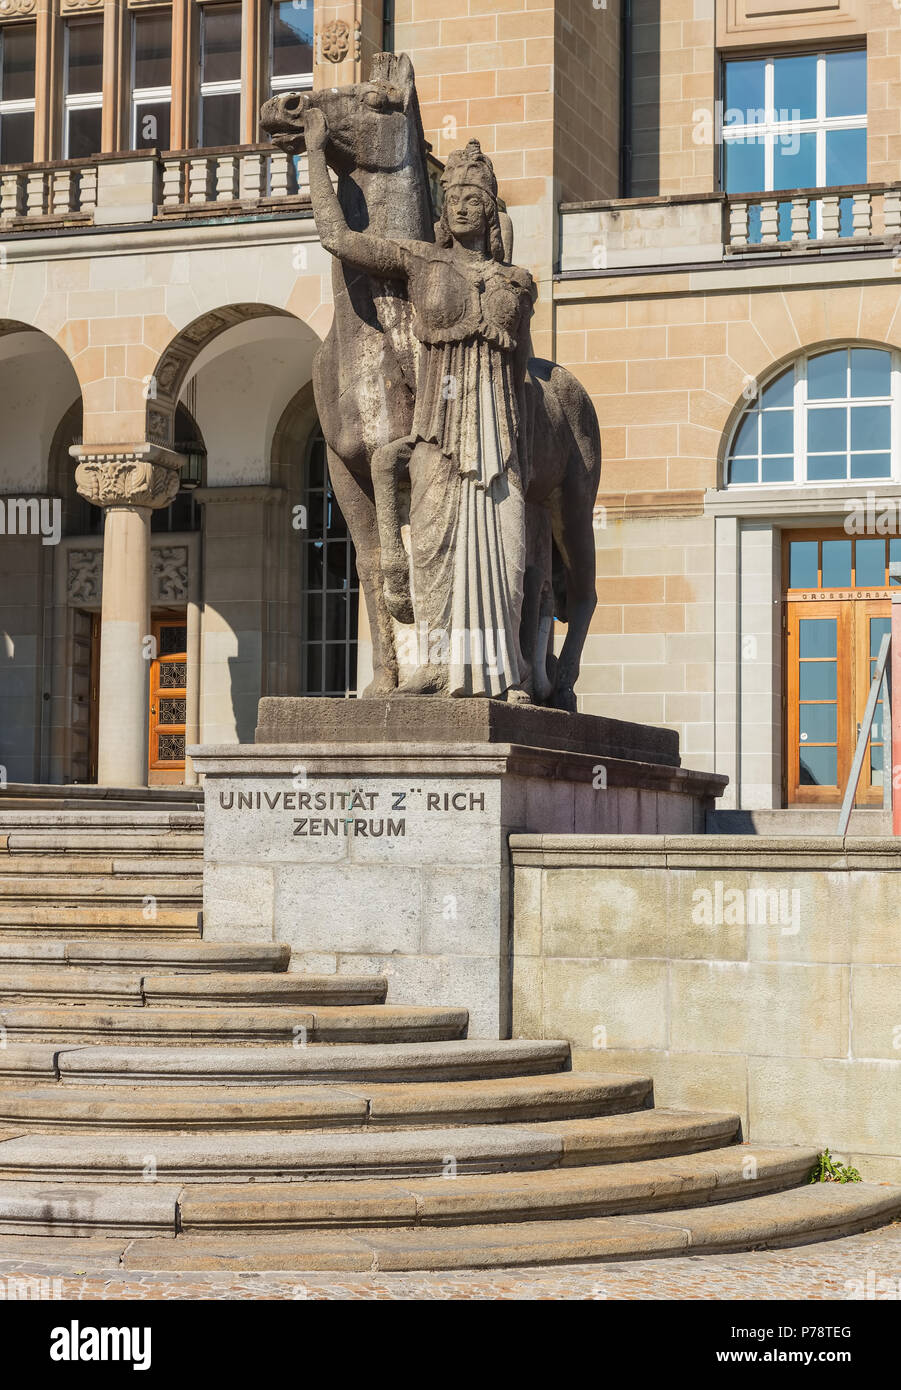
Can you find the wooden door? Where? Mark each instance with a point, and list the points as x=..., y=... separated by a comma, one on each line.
x=820, y=724
x=168, y=699
x=872, y=620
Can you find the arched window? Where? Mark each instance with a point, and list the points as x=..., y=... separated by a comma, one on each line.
x=330, y=586
x=832, y=417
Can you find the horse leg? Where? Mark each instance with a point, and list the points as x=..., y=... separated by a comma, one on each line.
x=389, y=463
x=358, y=508
x=574, y=534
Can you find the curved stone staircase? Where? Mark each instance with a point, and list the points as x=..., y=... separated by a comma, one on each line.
x=183, y=1105
x=172, y=1103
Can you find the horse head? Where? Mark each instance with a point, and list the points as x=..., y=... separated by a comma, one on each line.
x=374, y=125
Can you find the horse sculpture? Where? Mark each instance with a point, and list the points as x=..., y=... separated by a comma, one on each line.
x=365, y=384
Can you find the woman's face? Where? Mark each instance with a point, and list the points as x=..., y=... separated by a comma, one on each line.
x=465, y=210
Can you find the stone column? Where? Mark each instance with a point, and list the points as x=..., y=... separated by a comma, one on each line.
x=129, y=482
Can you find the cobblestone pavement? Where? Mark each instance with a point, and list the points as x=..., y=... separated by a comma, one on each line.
x=856, y=1268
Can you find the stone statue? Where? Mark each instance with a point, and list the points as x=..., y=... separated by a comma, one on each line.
x=435, y=416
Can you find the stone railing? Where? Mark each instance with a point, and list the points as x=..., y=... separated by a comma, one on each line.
x=858, y=212
x=693, y=229
x=246, y=174
x=64, y=191
x=142, y=186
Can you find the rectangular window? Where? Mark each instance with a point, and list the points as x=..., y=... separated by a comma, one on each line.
x=83, y=100
x=17, y=59
x=291, y=46
x=798, y=121
x=220, y=76
x=151, y=81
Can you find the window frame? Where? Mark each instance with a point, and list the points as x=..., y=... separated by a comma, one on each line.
x=145, y=96
x=232, y=86
x=799, y=408
x=293, y=82
x=20, y=106
x=79, y=101
x=770, y=129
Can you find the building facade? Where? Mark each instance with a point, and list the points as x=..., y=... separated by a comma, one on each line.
x=708, y=193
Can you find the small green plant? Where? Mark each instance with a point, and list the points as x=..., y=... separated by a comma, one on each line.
x=829, y=1169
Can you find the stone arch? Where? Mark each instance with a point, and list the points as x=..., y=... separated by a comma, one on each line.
x=38, y=388
x=177, y=359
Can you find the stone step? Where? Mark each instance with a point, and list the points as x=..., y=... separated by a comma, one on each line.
x=191, y=1027
x=74, y=870
x=562, y=1095
x=137, y=881
x=819, y=1211
x=156, y=956
x=799, y=820
x=73, y=801
x=540, y=1195
x=304, y=1154
x=460, y=1060
x=166, y=921
x=32, y=985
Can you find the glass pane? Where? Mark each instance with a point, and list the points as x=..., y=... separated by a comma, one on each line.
x=795, y=161
x=17, y=138
x=744, y=165
x=84, y=71
x=818, y=723
x=780, y=391
x=777, y=470
x=871, y=465
x=827, y=430
x=802, y=568
x=879, y=628
x=876, y=764
x=173, y=675
x=777, y=435
x=153, y=51
x=743, y=471
x=170, y=748
x=17, y=45
x=894, y=555
x=795, y=88
x=846, y=84
x=221, y=116
x=869, y=563
x=746, y=439
x=826, y=468
x=152, y=125
x=84, y=133
x=221, y=60
x=827, y=376
x=292, y=39
x=817, y=637
x=836, y=564
x=817, y=680
x=173, y=639
x=871, y=427
x=744, y=92
x=871, y=372
x=172, y=712
x=819, y=767
x=846, y=157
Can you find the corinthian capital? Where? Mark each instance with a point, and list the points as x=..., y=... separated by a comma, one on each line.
x=127, y=475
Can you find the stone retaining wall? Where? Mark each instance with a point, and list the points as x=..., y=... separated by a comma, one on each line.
x=742, y=972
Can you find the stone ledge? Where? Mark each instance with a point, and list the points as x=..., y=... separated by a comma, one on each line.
x=455, y=722
x=440, y=760
x=718, y=852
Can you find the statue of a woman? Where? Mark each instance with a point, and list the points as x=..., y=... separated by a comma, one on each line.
x=471, y=315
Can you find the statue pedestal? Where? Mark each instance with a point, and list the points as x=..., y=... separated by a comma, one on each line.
x=372, y=835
